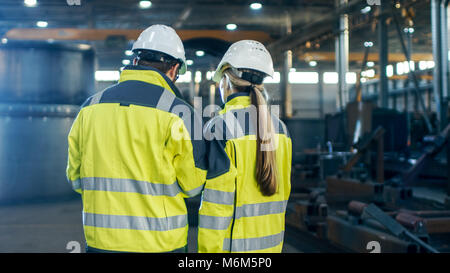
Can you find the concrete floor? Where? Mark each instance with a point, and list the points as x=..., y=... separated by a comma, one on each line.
x=50, y=227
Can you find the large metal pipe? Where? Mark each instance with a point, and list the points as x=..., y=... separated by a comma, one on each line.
x=41, y=88
x=440, y=48
x=41, y=72
x=33, y=151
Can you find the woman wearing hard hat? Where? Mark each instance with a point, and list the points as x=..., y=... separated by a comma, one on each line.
x=248, y=183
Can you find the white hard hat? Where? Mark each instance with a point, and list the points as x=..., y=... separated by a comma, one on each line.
x=247, y=54
x=163, y=39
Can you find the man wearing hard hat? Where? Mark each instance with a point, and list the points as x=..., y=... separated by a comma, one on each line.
x=133, y=158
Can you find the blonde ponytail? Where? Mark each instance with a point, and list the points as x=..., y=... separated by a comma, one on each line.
x=266, y=168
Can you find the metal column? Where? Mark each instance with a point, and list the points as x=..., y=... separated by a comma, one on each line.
x=321, y=97
x=383, y=54
x=287, y=65
x=342, y=52
x=440, y=54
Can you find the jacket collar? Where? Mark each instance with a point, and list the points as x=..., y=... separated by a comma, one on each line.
x=149, y=75
x=237, y=100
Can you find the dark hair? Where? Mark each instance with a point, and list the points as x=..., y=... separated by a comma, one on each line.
x=155, y=59
x=163, y=67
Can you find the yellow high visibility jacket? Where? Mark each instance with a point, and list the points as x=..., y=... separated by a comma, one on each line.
x=134, y=160
x=234, y=216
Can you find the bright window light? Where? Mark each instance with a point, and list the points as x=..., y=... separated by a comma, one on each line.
x=185, y=78
x=400, y=69
x=189, y=62
x=4, y=40
x=368, y=73
x=303, y=77
x=30, y=3
x=405, y=67
x=412, y=65
x=312, y=63
x=200, y=53
x=275, y=79
x=333, y=77
x=292, y=69
x=423, y=65
x=210, y=75
x=330, y=77
x=430, y=64
x=198, y=76
x=145, y=4
x=363, y=80
x=42, y=24
x=370, y=64
x=390, y=70
x=255, y=6
x=129, y=53
x=125, y=62
x=107, y=76
x=350, y=77
x=231, y=26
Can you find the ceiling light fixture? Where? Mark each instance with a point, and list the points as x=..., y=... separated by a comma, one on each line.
x=42, y=24
x=255, y=6
x=145, y=4
x=231, y=26
x=30, y=3
x=200, y=53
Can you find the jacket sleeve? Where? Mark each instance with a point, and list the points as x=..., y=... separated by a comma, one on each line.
x=218, y=198
x=188, y=151
x=74, y=154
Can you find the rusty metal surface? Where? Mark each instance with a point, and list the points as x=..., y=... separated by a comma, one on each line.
x=438, y=225
x=410, y=221
x=357, y=237
x=356, y=207
x=344, y=189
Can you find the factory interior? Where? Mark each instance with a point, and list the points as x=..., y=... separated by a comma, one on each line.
x=362, y=85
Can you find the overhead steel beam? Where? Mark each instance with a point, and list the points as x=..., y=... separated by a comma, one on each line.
x=183, y=16
x=317, y=27
x=129, y=34
x=359, y=56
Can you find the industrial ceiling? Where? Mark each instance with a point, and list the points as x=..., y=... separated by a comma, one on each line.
x=111, y=26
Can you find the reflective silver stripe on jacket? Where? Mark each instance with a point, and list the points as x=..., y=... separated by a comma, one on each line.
x=218, y=197
x=248, y=210
x=129, y=185
x=214, y=222
x=251, y=244
x=195, y=191
x=76, y=184
x=134, y=222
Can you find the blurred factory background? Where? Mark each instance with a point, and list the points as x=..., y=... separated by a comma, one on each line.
x=362, y=84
